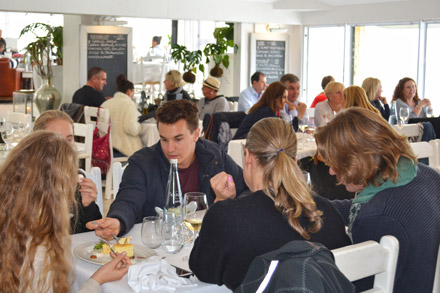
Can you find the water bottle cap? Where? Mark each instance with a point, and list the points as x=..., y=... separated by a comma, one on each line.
x=172, y=161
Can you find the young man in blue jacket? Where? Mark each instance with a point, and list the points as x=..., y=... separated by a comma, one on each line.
x=202, y=167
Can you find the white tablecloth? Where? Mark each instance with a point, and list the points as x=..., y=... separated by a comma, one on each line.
x=305, y=148
x=84, y=270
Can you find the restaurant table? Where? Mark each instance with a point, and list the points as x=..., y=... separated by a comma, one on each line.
x=84, y=270
x=306, y=147
x=150, y=135
x=435, y=121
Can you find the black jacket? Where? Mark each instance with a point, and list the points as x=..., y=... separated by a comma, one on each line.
x=145, y=178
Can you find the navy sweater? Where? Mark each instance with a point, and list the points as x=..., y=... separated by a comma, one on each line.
x=411, y=213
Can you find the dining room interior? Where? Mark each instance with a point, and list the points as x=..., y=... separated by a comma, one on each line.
x=349, y=40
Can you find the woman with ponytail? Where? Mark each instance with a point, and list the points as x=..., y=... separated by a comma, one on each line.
x=280, y=209
x=124, y=119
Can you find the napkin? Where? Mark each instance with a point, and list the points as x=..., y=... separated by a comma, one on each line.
x=155, y=275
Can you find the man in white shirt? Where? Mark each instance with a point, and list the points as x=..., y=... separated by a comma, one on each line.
x=252, y=94
x=293, y=108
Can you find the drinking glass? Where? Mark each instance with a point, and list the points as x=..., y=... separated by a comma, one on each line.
x=429, y=112
x=151, y=232
x=172, y=235
x=306, y=177
x=7, y=132
x=403, y=114
x=303, y=123
x=195, y=205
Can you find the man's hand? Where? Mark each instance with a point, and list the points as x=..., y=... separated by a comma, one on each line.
x=301, y=108
x=223, y=186
x=88, y=191
x=113, y=270
x=105, y=227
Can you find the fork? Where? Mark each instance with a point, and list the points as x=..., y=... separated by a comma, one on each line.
x=111, y=233
x=109, y=244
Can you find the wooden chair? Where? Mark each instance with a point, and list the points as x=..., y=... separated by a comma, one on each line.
x=422, y=150
x=95, y=176
x=436, y=287
x=409, y=130
x=84, y=148
x=118, y=170
x=90, y=115
x=370, y=258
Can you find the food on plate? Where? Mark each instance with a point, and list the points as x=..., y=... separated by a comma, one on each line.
x=122, y=245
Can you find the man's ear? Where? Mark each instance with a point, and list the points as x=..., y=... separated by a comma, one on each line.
x=196, y=134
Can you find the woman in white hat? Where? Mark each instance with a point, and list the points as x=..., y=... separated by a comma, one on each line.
x=212, y=102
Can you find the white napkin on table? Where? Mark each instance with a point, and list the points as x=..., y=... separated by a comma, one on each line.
x=156, y=275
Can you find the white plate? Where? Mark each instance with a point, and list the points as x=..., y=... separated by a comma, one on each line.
x=84, y=251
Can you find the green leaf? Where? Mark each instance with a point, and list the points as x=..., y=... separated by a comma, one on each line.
x=202, y=68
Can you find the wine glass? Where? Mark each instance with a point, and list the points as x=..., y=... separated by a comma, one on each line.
x=303, y=124
x=403, y=114
x=151, y=232
x=195, y=205
x=429, y=112
x=7, y=132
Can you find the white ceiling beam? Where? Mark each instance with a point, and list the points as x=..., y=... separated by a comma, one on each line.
x=301, y=5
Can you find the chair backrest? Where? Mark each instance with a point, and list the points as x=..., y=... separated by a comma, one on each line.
x=435, y=143
x=118, y=170
x=409, y=130
x=85, y=131
x=95, y=176
x=423, y=149
x=436, y=287
x=370, y=258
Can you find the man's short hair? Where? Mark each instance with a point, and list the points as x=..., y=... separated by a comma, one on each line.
x=256, y=76
x=173, y=111
x=3, y=42
x=325, y=81
x=289, y=77
x=157, y=39
x=94, y=71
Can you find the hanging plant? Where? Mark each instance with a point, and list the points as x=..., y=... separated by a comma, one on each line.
x=191, y=61
x=218, y=52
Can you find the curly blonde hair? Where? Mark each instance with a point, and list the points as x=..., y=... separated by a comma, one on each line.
x=36, y=195
x=273, y=142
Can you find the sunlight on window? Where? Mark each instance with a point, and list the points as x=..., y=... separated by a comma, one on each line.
x=432, y=72
x=388, y=53
x=325, y=57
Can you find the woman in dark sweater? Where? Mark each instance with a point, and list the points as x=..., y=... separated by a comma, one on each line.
x=373, y=89
x=281, y=209
x=174, y=84
x=395, y=195
x=269, y=105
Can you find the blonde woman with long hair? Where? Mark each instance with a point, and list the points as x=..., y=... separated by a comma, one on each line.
x=36, y=197
x=280, y=209
x=355, y=97
x=373, y=89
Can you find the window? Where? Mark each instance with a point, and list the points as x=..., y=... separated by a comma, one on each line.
x=325, y=56
x=432, y=71
x=388, y=53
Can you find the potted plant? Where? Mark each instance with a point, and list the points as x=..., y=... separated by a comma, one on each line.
x=218, y=52
x=191, y=61
x=40, y=55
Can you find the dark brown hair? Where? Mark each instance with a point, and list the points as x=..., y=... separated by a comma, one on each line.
x=289, y=77
x=173, y=111
x=123, y=84
x=269, y=99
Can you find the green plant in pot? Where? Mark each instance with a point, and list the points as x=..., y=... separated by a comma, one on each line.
x=218, y=52
x=40, y=55
x=191, y=61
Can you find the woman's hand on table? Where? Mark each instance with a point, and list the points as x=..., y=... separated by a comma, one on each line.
x=223, y=186
x=113, y=270
x=105, y=228
x=88, y=191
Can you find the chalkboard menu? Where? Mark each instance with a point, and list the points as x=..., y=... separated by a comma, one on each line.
x=108, y=51
x=270, y=59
